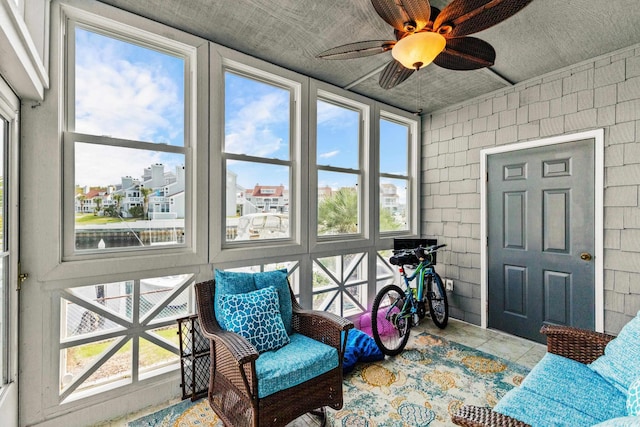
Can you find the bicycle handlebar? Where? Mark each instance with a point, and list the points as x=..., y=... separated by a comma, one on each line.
x=427, y=250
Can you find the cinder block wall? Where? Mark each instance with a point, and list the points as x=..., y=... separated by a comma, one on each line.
x=601, y=93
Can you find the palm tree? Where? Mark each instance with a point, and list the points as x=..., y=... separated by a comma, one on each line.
x=144, y=193
x=98, y=200
x=118, y=198
x=82, y=198
x=338, y=213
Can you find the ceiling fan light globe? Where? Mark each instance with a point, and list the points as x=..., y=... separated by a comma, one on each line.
x=419, y=49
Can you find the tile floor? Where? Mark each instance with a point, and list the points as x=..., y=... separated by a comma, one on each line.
x=514, y=349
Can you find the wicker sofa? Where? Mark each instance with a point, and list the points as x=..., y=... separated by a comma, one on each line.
x=561, y=392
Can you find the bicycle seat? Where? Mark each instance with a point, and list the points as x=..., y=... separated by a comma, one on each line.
x=404, y=258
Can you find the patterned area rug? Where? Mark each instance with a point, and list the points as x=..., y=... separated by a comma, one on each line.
x=422, y=386
x=183, y=414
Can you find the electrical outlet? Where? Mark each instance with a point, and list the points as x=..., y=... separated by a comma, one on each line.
x=448, y=284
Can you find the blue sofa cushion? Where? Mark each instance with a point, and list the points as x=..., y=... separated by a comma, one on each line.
x=278, y=279
x=563, y=385
x=541, y=411
x=620, y=363
x=630, y=421
x=299, y=361
x=360, y=348
x=256, y=316
x=230, y=283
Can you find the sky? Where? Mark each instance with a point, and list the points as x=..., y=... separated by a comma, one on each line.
x=132, y=92
x=125, y=91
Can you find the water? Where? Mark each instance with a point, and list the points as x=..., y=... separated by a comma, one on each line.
x=95, y=239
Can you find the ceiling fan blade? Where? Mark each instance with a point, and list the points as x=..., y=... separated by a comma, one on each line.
x=434, y=13
x=394, y=74
x=466, y=53
x=404, y=15
x=357, y=49
x=470, y=16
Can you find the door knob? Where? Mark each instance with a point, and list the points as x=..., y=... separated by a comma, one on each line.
x=586, y=256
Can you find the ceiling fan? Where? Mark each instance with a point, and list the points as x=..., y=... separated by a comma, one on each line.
x=424, y=34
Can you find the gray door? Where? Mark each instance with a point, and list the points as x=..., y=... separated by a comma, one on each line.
x=541, y=238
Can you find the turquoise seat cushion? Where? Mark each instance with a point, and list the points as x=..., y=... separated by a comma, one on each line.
x=299, y=361
x=562, y=386
x=256, y=316
x=620, y=363
x=278, y=279
x=230, y=283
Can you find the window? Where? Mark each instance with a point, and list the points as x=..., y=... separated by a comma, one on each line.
x=107, y=326
x=128, y=141
x=395, y=144
x=340, y=284
x=257, y=153
x=338, y=158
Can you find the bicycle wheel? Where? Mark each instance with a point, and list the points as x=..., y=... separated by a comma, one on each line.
x=390, y=328
x=437, y=297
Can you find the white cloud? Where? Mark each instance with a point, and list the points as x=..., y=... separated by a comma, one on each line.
x=125, y=97
x=330, y=154
x=334, y=116
x=124, y=91
x=250, y=128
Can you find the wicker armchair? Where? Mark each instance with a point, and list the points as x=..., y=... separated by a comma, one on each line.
x=577, y=344
x=233, y=383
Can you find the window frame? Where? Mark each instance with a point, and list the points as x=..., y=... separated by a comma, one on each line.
x=9, y=356
x=362, y=111
x=326, y=93
x=222, y=60
x=133, y=329
x=385, y=238
x=194, y=51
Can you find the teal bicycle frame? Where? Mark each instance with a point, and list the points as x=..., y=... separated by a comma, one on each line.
x=417, y=294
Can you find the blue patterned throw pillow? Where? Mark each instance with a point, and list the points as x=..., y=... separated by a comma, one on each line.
x=278, y=279
x=230, y=282
x=256, y=316
x=633, y=398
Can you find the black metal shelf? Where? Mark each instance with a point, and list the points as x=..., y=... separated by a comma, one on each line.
x=194, y=358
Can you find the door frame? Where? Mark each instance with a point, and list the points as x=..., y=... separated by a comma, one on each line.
x=9, y=110
x=598, y=136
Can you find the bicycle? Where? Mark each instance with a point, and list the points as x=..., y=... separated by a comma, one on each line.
x=400, y=310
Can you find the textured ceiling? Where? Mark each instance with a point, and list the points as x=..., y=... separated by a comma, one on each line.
x=545, y=36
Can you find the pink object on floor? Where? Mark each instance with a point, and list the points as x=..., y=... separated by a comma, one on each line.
x=384, y=326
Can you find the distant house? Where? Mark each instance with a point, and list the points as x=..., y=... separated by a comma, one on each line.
x=324, y=192
x=265, y=198
x=165, y=200
x=93, y=200
x=389, y=198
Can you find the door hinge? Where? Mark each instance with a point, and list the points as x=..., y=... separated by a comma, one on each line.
x=21, y=277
